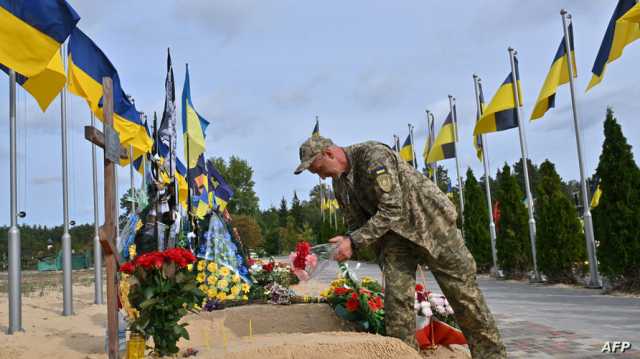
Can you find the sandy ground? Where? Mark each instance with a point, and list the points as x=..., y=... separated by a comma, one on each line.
x=305, y=331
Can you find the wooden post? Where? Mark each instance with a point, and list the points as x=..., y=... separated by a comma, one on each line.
x=108, y=232
x=110, y=143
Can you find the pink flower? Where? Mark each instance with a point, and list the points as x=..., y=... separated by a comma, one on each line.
x=302, y=275
x=311, y=261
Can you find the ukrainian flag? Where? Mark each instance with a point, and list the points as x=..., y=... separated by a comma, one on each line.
x=477, y=139
x=138, y=162
x=406, y=152
x=45, y=85
x=87, y=66
x=429, y=144
x=618, y=35
x=595, y=200
x=445, y=145
x=221, y=189
x=632, y=15
x=193, y=127
x=31, y=33
x=558, y=75
x=502, y=112
x=316, y=128
x=181, y=179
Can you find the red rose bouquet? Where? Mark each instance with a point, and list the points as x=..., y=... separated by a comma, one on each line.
x=161, y=289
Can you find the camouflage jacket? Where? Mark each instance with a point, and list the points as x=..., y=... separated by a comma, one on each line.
x=381, y=193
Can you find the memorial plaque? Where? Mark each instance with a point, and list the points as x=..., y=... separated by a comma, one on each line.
x=112, y=148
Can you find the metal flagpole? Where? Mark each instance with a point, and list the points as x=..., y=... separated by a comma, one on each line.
x=452, y=101
x=97, y=249
x=132, y=185
x=66, y=237
x=523, y=149
x=413, y=147
x=15, y=272
x=485, y=163
x=594, y=282
x=321, y=197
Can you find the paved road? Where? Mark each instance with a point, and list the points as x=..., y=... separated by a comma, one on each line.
x=541, y=321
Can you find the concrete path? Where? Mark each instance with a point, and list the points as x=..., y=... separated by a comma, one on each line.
x=543, y=321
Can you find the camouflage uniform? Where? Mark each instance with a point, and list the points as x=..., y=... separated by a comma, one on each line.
x=410, y=222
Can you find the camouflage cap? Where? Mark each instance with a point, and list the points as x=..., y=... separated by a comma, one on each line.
x=310, y=149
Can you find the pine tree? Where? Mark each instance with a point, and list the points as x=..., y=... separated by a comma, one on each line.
x=296, y=212
x=518, y=172
x=559, y=236
x=617, y=217
x=283, y=213
x=512, y=242
x=476, y=222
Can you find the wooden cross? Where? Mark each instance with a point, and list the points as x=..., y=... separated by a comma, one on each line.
x=110, y=142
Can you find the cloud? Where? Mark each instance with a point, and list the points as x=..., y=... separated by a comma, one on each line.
x=226, y=19
x=375, y=90
x=300, y=96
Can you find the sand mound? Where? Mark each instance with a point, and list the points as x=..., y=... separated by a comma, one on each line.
x=304, y=331
x=296, y=331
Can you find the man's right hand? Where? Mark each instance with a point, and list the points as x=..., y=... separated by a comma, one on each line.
x=343, y=248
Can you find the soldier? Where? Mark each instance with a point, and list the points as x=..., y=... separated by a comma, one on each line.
x=410, y=222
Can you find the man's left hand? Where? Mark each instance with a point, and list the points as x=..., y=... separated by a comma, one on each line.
x=343, y=248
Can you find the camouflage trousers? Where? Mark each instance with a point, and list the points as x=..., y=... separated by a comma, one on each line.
x=455, y=271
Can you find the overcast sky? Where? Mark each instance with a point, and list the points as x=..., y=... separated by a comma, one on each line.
x=262, y=70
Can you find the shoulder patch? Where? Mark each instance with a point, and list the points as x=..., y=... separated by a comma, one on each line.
x=378, y=170
x=384, y=181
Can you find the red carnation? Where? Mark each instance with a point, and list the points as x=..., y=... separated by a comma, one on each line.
x=268, y=267
x=127, y=267
x=341, y=291
x=353, y=304
x=375, y=304
x=302, y=251
x=419, y=288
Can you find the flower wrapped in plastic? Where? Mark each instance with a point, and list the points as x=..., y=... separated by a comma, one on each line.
x=308, y=261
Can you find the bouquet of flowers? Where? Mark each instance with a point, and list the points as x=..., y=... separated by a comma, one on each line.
x=220, y=283
x=308, y=260
x=361, y=301
x=272, y=271
x=428, y=304
x=159, y=289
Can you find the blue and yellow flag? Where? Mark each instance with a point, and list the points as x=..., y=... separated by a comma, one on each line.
x=502, y=112
x=445, y=145
x=138, y=163
x=618, y=35
x=87, y=65
x=220, y=188
x=632, y=15
x=194, y=127
x=181, y=180
x=31, y=33
x=558, y=75
x=595, y=200
x=45, y=85
x=406, y=151
x=428, y=145
x=477, y=139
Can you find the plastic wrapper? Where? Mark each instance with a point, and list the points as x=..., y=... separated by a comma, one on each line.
x=308, y=261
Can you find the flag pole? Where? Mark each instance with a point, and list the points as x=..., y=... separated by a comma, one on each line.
x=452, y=101
x=487, y=185
x=97, y=249
x=523, y=149
x=157, y=196
x=66, y=237
x=15, y=271
x=594, y=281
x=321, y=198
x=413, y=147
x=131, y=184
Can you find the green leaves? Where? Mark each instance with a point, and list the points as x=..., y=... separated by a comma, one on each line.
x=163, y=297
